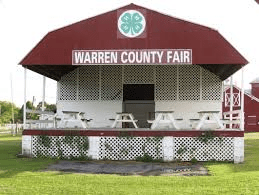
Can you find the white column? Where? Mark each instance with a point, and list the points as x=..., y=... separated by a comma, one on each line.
x=77, y=84
x=168, y=148
x=24, y=104
x=94, y=147
x=26, y=145
x=231, y=100
x=242, y=124
x=43, y=94
x=238, y=149
x=11, y=78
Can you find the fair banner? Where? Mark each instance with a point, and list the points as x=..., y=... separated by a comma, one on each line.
x=142, y=57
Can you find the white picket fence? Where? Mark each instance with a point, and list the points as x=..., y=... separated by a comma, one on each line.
x=11, y=128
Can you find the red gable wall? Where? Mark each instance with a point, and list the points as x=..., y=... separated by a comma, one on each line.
x=251, y=108
x=255, y=89
x=162, y=32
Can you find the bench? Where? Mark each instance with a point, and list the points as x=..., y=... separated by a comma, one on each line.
x=164, y=121
x=194, y=122
x=87, y=120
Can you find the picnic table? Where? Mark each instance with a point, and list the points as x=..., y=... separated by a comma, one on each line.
x=73, y=119
x=209, y=116
x=164, y=117
x=122, y=117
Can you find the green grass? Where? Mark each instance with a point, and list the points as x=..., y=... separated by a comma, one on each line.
x=26, y=176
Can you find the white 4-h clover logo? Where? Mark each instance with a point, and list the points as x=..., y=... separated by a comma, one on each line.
x=131, y=23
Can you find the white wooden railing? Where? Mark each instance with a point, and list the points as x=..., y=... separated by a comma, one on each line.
x=232, y=119
x=46, y=120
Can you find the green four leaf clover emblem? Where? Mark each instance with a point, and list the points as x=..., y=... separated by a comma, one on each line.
x=131, y=23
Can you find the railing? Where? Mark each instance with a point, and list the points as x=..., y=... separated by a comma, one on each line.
x=232, y=119
x=46, y=120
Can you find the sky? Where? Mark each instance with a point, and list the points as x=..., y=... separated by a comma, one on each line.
x=24, y=23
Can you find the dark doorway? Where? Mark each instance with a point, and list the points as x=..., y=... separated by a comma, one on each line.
x=138, y=92
x=138, y=99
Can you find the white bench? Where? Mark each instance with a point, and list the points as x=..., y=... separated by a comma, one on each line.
x=164, y=121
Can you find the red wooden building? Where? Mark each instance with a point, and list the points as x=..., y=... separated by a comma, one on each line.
x=135, y=62
x=251, y=104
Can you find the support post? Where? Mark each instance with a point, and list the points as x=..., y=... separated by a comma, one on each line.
x=168, y=146
x=231, y=101
x=24, y=104
x=11, y=78
x=238, y=149
x=242, y=122
x=43, y=94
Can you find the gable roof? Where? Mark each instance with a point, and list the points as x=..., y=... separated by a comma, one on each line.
x=52, y=56
x=246, y=92
x=256, y=80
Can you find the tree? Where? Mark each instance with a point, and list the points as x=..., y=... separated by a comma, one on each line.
x=48, y=107
x=32, y=116
x=6, y=112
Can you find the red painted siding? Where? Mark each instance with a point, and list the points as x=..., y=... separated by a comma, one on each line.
x=251, y=108
x=162, y=32
x=255, y=89
x=137, y=133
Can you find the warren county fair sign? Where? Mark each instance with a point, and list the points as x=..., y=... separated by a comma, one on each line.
x=150, y=56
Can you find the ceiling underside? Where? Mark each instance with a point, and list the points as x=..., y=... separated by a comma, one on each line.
x=55, y=72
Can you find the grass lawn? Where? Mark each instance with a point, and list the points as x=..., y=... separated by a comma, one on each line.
x=25, y=176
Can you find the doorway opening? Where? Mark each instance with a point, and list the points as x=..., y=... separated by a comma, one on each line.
x=138, y=99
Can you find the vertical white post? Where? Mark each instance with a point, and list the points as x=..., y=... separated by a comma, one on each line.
x=177, y=82
x=24, y=104
x=242, y=124
x=231, y=100
x=77, y=84
x=200, y=84
x=154, y=76
x=168, y=145
x=43, y=94
x=100, y=81
x=12, y=96
x=238, y=149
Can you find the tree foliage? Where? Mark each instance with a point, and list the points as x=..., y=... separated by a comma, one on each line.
x=48, y=107
x=6, y=111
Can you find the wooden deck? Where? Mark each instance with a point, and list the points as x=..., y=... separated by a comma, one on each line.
x=131, y=132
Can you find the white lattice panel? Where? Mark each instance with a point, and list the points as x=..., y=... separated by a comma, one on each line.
x=139, y=74
x=88, y=83
x=219, y=149
x=59, y=146
x=68, y=86
x=189, y=82
x=111, y=83
x=128, y=148
x=166, y=82
x=211, y=86
x=105, y=82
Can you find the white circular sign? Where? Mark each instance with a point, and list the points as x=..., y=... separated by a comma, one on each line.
x=131, y=23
